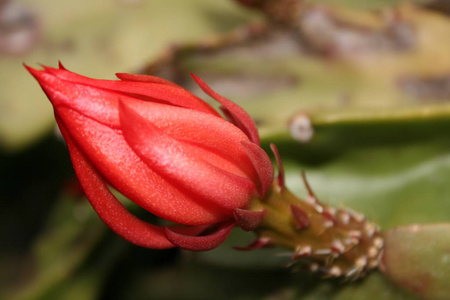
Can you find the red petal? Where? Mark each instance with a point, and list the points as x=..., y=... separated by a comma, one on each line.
x=169, y=94
x=98, y=104
x=174, y=161
x=248, y=220
x=213, y=134
x=200, y=243
x=280, y=177
x=221, y=137
x=232, y=119
x=60, y=65
x=116, y=161
x=262, y=164
x=189, y=230
x=109, y=209
x=239, y=116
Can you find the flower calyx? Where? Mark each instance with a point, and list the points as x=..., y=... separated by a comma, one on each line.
x=326, y=241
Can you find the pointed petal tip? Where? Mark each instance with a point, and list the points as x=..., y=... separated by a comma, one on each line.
x=29, y=69
x=32, y=70
x=195, y=77
x=197, y=80
x=248, y=220
x=121, y=76
x=45, y=69
x=36, y=73
x=199, y=243
x=60, y=65
x=239, y=116
x=145, y=79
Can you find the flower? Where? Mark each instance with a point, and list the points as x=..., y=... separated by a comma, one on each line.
x=168, y=151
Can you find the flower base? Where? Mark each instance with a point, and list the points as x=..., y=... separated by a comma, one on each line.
x=330, y=242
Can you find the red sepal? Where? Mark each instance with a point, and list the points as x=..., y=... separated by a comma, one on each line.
x=238, y=116
x=280, y=177
x=171, y=159
x=67, y=83
x=262, y=165
x=248, y=220
x=300, y=217
x=60, y=65
x=109, y=209
x=144, y=78
x=199, y=243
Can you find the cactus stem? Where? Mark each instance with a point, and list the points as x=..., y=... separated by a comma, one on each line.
x=361, y=262
x=378, y=242
x=330, y=242
x=302, y=251
x=369, y=229
x=314, y=267
x=358, y=217
x=372, y=252
x=323, y=252
x=337, y=247
x=355, y=234
x=329, y=213
x=335, y=271
x=351, y=272
x=343, y=217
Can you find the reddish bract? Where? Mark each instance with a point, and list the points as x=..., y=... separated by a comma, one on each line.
x=162, y=147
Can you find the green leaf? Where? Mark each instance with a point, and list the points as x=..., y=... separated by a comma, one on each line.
x=376, y=147
x=417, y=258
x=71, y=234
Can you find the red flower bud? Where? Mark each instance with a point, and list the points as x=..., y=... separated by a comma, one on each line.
x=165, y=149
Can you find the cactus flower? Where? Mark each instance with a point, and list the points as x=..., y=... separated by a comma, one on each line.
x=165, y=149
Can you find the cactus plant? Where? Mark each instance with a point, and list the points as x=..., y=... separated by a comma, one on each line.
x=339, y=82
x=356, y=95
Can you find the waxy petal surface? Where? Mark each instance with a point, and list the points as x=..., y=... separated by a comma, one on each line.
x=170, y=94
x=221, y=139
x=142, y=185
x=109, y=209
x=200, y=243
x=262, y=164
x=178, y=162
x=165, y=149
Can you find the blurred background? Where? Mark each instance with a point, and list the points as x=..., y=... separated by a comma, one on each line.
x=357, y=93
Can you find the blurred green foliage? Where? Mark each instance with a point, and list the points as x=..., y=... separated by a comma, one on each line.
x=374, y=147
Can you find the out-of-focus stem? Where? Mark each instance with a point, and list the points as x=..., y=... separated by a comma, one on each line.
x=332, y=242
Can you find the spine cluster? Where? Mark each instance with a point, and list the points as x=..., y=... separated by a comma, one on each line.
x=327, y=241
